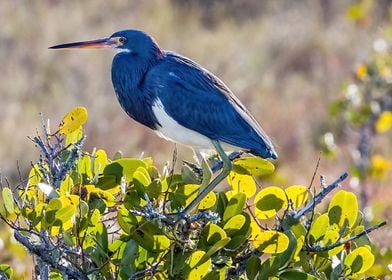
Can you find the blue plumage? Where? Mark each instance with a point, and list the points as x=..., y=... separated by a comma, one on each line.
x=173, y=95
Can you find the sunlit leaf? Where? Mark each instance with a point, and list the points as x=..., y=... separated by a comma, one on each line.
x=343, y=209
x=269, y=201
x=255, y=166
x=359, y=260
x=208, y=201
x=66, y=186
x=74, y=136
x=124, y=167
x=234, y=224
x=297, y=194
x=234, y=206
x=100, y=160
x=8, y=199
x=242, y=183
x=216, y=247
x=141, y=176
x=319, y=227
x=126, y=221
x=198, y=264
x=212, y=233
x=270, y=241
x=73, y=120
x=6, y=270
x=35, y=176
x=331, y=236
x=151, y=238
x=84, y=166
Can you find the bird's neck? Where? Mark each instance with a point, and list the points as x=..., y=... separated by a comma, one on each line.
x=128, y=72
x=132, y=68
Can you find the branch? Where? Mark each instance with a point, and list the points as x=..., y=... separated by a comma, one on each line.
x=341, y=242
x=320, y=196
x=43, y=254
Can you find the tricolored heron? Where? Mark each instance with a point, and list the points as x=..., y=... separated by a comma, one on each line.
x=180, y=100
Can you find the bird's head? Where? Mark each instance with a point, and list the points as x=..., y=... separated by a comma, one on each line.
x=129, y=41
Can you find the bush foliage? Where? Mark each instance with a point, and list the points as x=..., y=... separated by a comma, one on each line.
x=84, y=216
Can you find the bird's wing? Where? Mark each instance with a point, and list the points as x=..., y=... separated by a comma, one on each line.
x=198, y=100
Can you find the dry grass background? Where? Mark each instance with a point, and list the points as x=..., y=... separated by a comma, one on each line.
x=286, y=60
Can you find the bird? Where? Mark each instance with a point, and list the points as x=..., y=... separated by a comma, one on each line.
x=180, y=100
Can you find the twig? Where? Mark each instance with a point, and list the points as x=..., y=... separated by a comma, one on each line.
x=341, y=242
x=45, y=257
x=320, y=196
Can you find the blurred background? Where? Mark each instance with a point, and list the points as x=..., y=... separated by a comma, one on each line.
x=299, y=66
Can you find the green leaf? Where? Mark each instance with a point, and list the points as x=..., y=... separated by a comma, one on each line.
x=126, y=221
x=84, y=166
x=212, y=233
x=65, y=214
x=55, y=276
x=216, y=247
x=7, y=270
x=269, y=201
x=129, y=257
x=255, y=166
x=236, y=242
x=8, y=199
x=151, y=238
x=124, y=167
x=35, y=176
x=319, y=227
x=359, y=260
x=253, y=266
x=242, y=183
x=343, y=209
x=100, y=160
x=295, y=274
x=141, y=176
x=234, y=206
x=270, y=241
x=198, y=264
x=235, y=224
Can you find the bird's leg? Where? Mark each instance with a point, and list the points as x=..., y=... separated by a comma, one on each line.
x=226, y=168
x=207, y=174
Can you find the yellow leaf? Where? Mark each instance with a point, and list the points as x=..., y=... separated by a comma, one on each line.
x=271, y=242
x=297, y=194
x=208, y=201
x=73, y=120
x=198, y=264
x=242, y=183
x=343, y=209
x=359, y=260
x=384, y=122
x=269, y=201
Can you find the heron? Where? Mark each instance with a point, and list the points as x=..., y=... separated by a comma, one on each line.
x=180, y=100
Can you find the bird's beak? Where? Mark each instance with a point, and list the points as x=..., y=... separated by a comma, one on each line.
x=93, y=44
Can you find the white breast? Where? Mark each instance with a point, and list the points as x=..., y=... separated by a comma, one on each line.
x=171, y=130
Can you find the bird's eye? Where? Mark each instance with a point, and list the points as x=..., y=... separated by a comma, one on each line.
x=122, y=40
